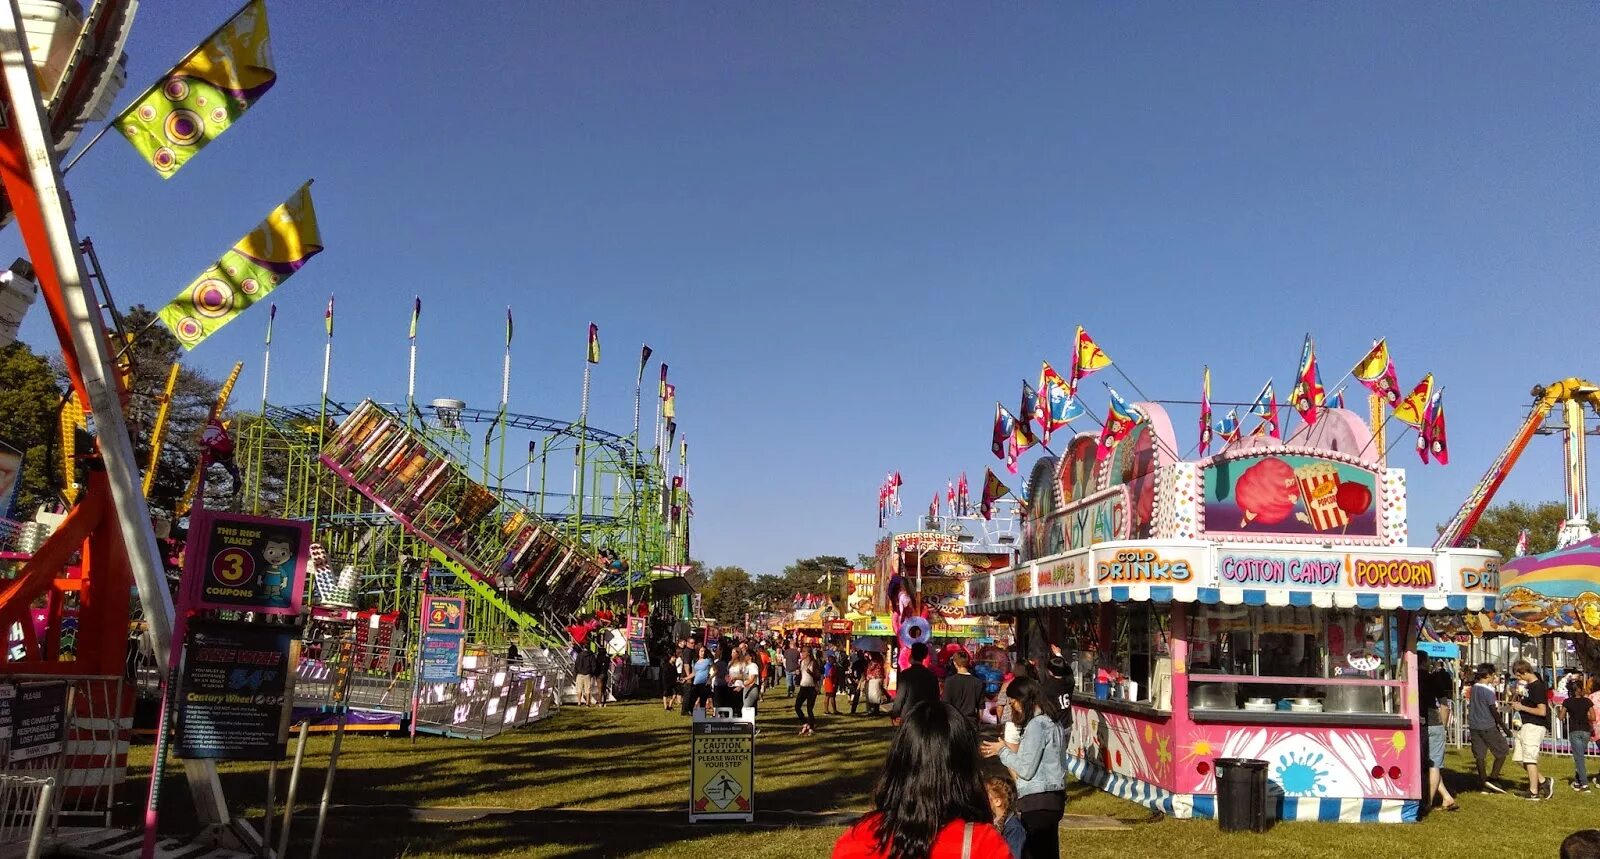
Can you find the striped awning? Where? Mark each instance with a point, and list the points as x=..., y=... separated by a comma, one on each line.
x=1238, y=596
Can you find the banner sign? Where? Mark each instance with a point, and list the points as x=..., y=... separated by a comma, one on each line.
x=838, y=627
x=722, y=771
x=38, y=720
x=237, y=692
x=235, y=562
x=441, y=658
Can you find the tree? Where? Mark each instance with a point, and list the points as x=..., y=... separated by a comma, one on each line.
x=811, y=575
x=29, y=400
x=1498, y=530
x=726, y=594
x=154, y=352
x=1500, y=525
x=770, y=593
x=866, y=562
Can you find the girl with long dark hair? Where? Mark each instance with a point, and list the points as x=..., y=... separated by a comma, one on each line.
x=930, y=801
x=810, y=680
x=1037, y=762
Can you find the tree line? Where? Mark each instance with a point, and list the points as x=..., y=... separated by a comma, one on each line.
x=33, y=391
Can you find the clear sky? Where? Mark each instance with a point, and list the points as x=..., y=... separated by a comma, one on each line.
x=851, y=227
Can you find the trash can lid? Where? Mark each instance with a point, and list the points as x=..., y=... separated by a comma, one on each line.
x=1242, y=763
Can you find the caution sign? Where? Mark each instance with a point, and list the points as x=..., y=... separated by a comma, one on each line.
x=722, y=770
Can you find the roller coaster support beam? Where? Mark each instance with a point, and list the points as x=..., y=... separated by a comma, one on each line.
x=32, y=180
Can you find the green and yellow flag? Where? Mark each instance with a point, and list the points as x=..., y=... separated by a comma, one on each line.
x=204, y=95
x=255, y=265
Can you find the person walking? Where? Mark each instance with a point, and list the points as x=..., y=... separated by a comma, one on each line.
x=1037, y=763
x=752, y=683
x=963, y=690
x=1579, y=712
x=916, y=685
x=1434, y=694
x=671, y=673
x=583, y=669
x=830, y=684
x=929, y=802
x=1484, y=727
x=808, y=674
x=735, y=680
x=875, y=693
x=791, y=666
x=699, y=681
x=857, y=679
x=1534, y=707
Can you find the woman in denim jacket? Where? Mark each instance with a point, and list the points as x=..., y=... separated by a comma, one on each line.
x=1037, y=762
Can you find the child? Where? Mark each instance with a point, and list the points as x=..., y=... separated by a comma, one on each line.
x=1003, y=802
x=1483, y=724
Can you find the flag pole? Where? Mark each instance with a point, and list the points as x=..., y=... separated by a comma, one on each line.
x=591, y=356
x=266, y=358
x=633, y=523
x=322, y=412
x=411, y=369
x=505, y=400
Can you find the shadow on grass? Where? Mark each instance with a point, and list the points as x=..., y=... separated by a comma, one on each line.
x=592, y=783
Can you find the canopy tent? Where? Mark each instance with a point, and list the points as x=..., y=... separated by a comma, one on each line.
x=1556, y=593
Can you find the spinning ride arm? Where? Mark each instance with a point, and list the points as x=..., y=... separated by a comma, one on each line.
x=1574, y=393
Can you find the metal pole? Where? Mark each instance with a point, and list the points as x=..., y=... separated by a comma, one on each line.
x=57, y=259
x=322, y=419
x=41, y=818
x=266, y=822
x=327, y=786
x=583, y=443
x=294, y=784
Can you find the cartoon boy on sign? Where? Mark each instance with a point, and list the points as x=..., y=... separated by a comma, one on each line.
x=277, y=555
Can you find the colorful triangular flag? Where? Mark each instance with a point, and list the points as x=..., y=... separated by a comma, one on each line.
x=1002, y=432
x=1121, y=418
x=1376, y=370
x=1058, y=407
x=993, y=490
x=1266, y=408
x=1308, y=395
x=1087, y=357
x=1412, y=409
x=1205, y=413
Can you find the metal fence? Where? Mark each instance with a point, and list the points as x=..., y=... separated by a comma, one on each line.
x=493, y=696
x=76, y=778
x=25, y=804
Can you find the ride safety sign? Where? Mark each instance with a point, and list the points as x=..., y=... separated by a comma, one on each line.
x=722, y=770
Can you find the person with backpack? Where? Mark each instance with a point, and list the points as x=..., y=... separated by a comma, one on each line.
x=583, y=668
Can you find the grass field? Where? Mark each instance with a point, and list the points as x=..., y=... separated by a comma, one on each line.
x=614, y=782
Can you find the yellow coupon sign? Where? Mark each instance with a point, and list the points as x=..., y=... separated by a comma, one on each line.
x=722, y=770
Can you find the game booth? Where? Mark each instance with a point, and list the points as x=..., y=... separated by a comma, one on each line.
x=1261, y=603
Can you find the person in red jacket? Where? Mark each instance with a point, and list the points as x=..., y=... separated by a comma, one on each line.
x=930, y=801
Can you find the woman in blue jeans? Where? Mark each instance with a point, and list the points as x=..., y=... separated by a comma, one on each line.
x=1580, y=715
x=1037, y=763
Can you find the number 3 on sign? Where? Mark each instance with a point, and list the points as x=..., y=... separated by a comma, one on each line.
x=233, y=567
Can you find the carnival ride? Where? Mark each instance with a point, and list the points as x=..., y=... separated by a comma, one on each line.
x=385, y=487
x=1556, y=593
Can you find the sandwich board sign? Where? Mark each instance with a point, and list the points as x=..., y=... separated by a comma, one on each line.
x=722, y=770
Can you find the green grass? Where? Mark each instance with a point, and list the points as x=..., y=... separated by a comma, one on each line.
x=613, y=782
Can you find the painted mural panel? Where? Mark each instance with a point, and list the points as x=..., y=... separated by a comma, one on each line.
x=1306, y=762
x=1128, y=746
x=1290, y=494
x=1041, y=533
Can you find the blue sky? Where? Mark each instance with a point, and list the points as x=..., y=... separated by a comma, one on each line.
x=851, y=227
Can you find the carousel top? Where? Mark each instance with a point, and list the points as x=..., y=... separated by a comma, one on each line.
x=1314, y=519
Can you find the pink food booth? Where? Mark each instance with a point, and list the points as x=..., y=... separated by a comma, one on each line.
x=1260, y=603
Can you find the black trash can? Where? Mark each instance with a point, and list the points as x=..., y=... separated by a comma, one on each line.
x=1242, y=795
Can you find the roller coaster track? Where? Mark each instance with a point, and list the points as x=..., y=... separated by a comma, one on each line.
x=621, y=445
